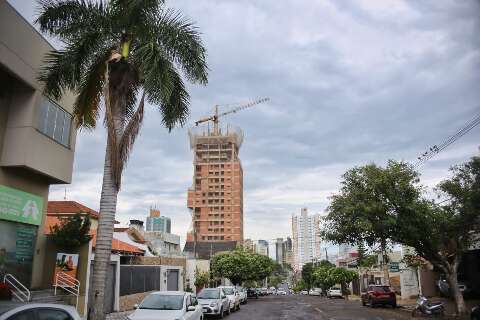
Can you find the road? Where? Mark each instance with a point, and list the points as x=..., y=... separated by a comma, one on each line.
x=312, y=308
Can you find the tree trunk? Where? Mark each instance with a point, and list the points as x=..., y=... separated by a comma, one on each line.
x=456, y=294
x=386, y=274
x=103, y=247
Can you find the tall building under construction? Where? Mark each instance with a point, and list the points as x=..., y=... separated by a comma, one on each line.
x=216, y=195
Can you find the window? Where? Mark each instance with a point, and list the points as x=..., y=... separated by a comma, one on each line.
x=25, y=315
x=55, y=122
x=52, y=314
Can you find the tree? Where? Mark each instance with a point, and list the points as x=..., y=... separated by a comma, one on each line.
x=307, y=275
x=120, y=52
x=71, y=233
x=240, y=265
x=202, y=278
x=442, y=233
x=322, y=279
x=361, y=212
x=343, y=277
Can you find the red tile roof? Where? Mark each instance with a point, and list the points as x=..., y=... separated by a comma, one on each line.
x=119, y=246
x=70, y=207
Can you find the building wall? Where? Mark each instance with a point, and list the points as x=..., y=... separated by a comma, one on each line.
x=192, y=265
x=29, y=160
x=216, y=198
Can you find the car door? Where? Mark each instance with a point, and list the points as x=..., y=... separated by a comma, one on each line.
x=225, y=301
x=198, y=309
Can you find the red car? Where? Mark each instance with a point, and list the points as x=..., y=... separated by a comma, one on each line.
x=379, y=295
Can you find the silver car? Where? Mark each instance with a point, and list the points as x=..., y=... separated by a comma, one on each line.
x=168, y=305
x=214, y=302
x=31, y=311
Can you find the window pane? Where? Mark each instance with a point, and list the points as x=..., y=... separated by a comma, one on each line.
x=59, y=125
x=42, y=116
x=66, y=130
x=26, y=315
x=52, y=314
x=52, y=115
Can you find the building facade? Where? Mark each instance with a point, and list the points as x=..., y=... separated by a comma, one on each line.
x=262, y=247
x=306, y=239
x=288, y=256
x=279, y=251
x=157, y=222
x=216, y=196
x=37, y=143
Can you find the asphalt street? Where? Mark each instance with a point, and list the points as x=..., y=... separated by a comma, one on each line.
x=312, y=307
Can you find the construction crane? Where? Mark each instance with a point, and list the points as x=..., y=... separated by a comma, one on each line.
x=214, y=118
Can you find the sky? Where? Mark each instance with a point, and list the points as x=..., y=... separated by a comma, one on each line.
x=349, y=82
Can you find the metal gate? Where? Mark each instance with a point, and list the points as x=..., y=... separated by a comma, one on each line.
x=172, y=280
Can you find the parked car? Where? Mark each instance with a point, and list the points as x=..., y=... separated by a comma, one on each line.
x=281, y=292
x=316, y=292
x=233, y=296
x=214, y=302
x=243, y=295
x=304, y=292
x=475, y=315
x=252, y=293
x=334, y=292
x=264, y=291
x=379, y=295
x=32, y=311
x=444, y=287
x=168, y=305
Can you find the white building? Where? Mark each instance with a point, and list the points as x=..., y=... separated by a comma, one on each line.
x=262, y=247
x=306, y=239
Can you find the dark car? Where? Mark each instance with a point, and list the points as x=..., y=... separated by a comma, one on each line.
x=379, y=295
x=475, y=315
x=252, y=293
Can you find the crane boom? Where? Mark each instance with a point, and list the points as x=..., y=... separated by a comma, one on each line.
x=214, y=118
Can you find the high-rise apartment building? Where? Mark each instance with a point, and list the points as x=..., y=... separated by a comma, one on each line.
x=279, y=251
x=216, y=196
x=306, y=239
x=288, y=249
x=157, y=222
x=262, y=247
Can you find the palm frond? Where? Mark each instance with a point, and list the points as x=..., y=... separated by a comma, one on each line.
x=69, y=18
x=175, y=108
x=131, y=132
x=181, y=41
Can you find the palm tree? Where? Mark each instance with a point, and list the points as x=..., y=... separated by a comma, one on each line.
x=120, y=52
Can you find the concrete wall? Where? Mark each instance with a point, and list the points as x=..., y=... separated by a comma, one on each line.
x=191, y=266
x=29, y=160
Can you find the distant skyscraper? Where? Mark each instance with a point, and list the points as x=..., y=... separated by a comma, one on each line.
x=288, y=252
x=262, y=247
x=156, y=222
x=279, y=251
x=306, y=239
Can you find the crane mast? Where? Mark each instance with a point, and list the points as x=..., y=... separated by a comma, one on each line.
x=215, y=117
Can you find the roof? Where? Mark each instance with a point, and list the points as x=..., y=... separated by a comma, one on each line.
x=120, y=246
x=124, y=237
x=169, y=293
x=70, y=207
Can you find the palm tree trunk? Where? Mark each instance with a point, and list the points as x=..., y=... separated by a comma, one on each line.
x=108, y=204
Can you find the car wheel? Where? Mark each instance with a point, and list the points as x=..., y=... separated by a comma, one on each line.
x=370, y=302
x=228, y=310
x=220, y=315
x=238, y=307
x=394, y=305
x=363, y=303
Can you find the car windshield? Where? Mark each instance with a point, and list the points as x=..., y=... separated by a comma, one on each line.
x=381, y=289
x=162, y=302
x=209, y=294
x=228, y=291
x=335, y=289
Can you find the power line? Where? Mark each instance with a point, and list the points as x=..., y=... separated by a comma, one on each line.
x=436, y=149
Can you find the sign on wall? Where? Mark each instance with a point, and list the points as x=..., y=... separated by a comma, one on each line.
x=66, y=263
x=20, y=206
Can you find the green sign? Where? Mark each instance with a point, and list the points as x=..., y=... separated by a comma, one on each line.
x=19, y=206
x=394, y=267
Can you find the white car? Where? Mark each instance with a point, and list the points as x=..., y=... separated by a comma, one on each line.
x=243, y=295
x=168, y=305
x=316, y=292
x=334, y=292
x=233, y=296
x=214, y=302
x=11, y=310
x=281, y=292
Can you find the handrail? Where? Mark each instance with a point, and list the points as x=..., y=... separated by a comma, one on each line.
x=20, y=289
x=67, y=283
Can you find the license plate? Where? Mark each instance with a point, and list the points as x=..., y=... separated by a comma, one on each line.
x=385, y=296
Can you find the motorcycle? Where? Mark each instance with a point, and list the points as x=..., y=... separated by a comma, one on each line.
x=424, y=306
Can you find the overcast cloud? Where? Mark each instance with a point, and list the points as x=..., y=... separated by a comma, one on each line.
x=350, y=82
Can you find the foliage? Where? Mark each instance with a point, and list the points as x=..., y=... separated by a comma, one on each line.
x=301, y=285
x=72, y=232
x=307, y=275
x=240, y=265
x=325, y=263
x=327, y=276
x=202, y=278
x=274, y=281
